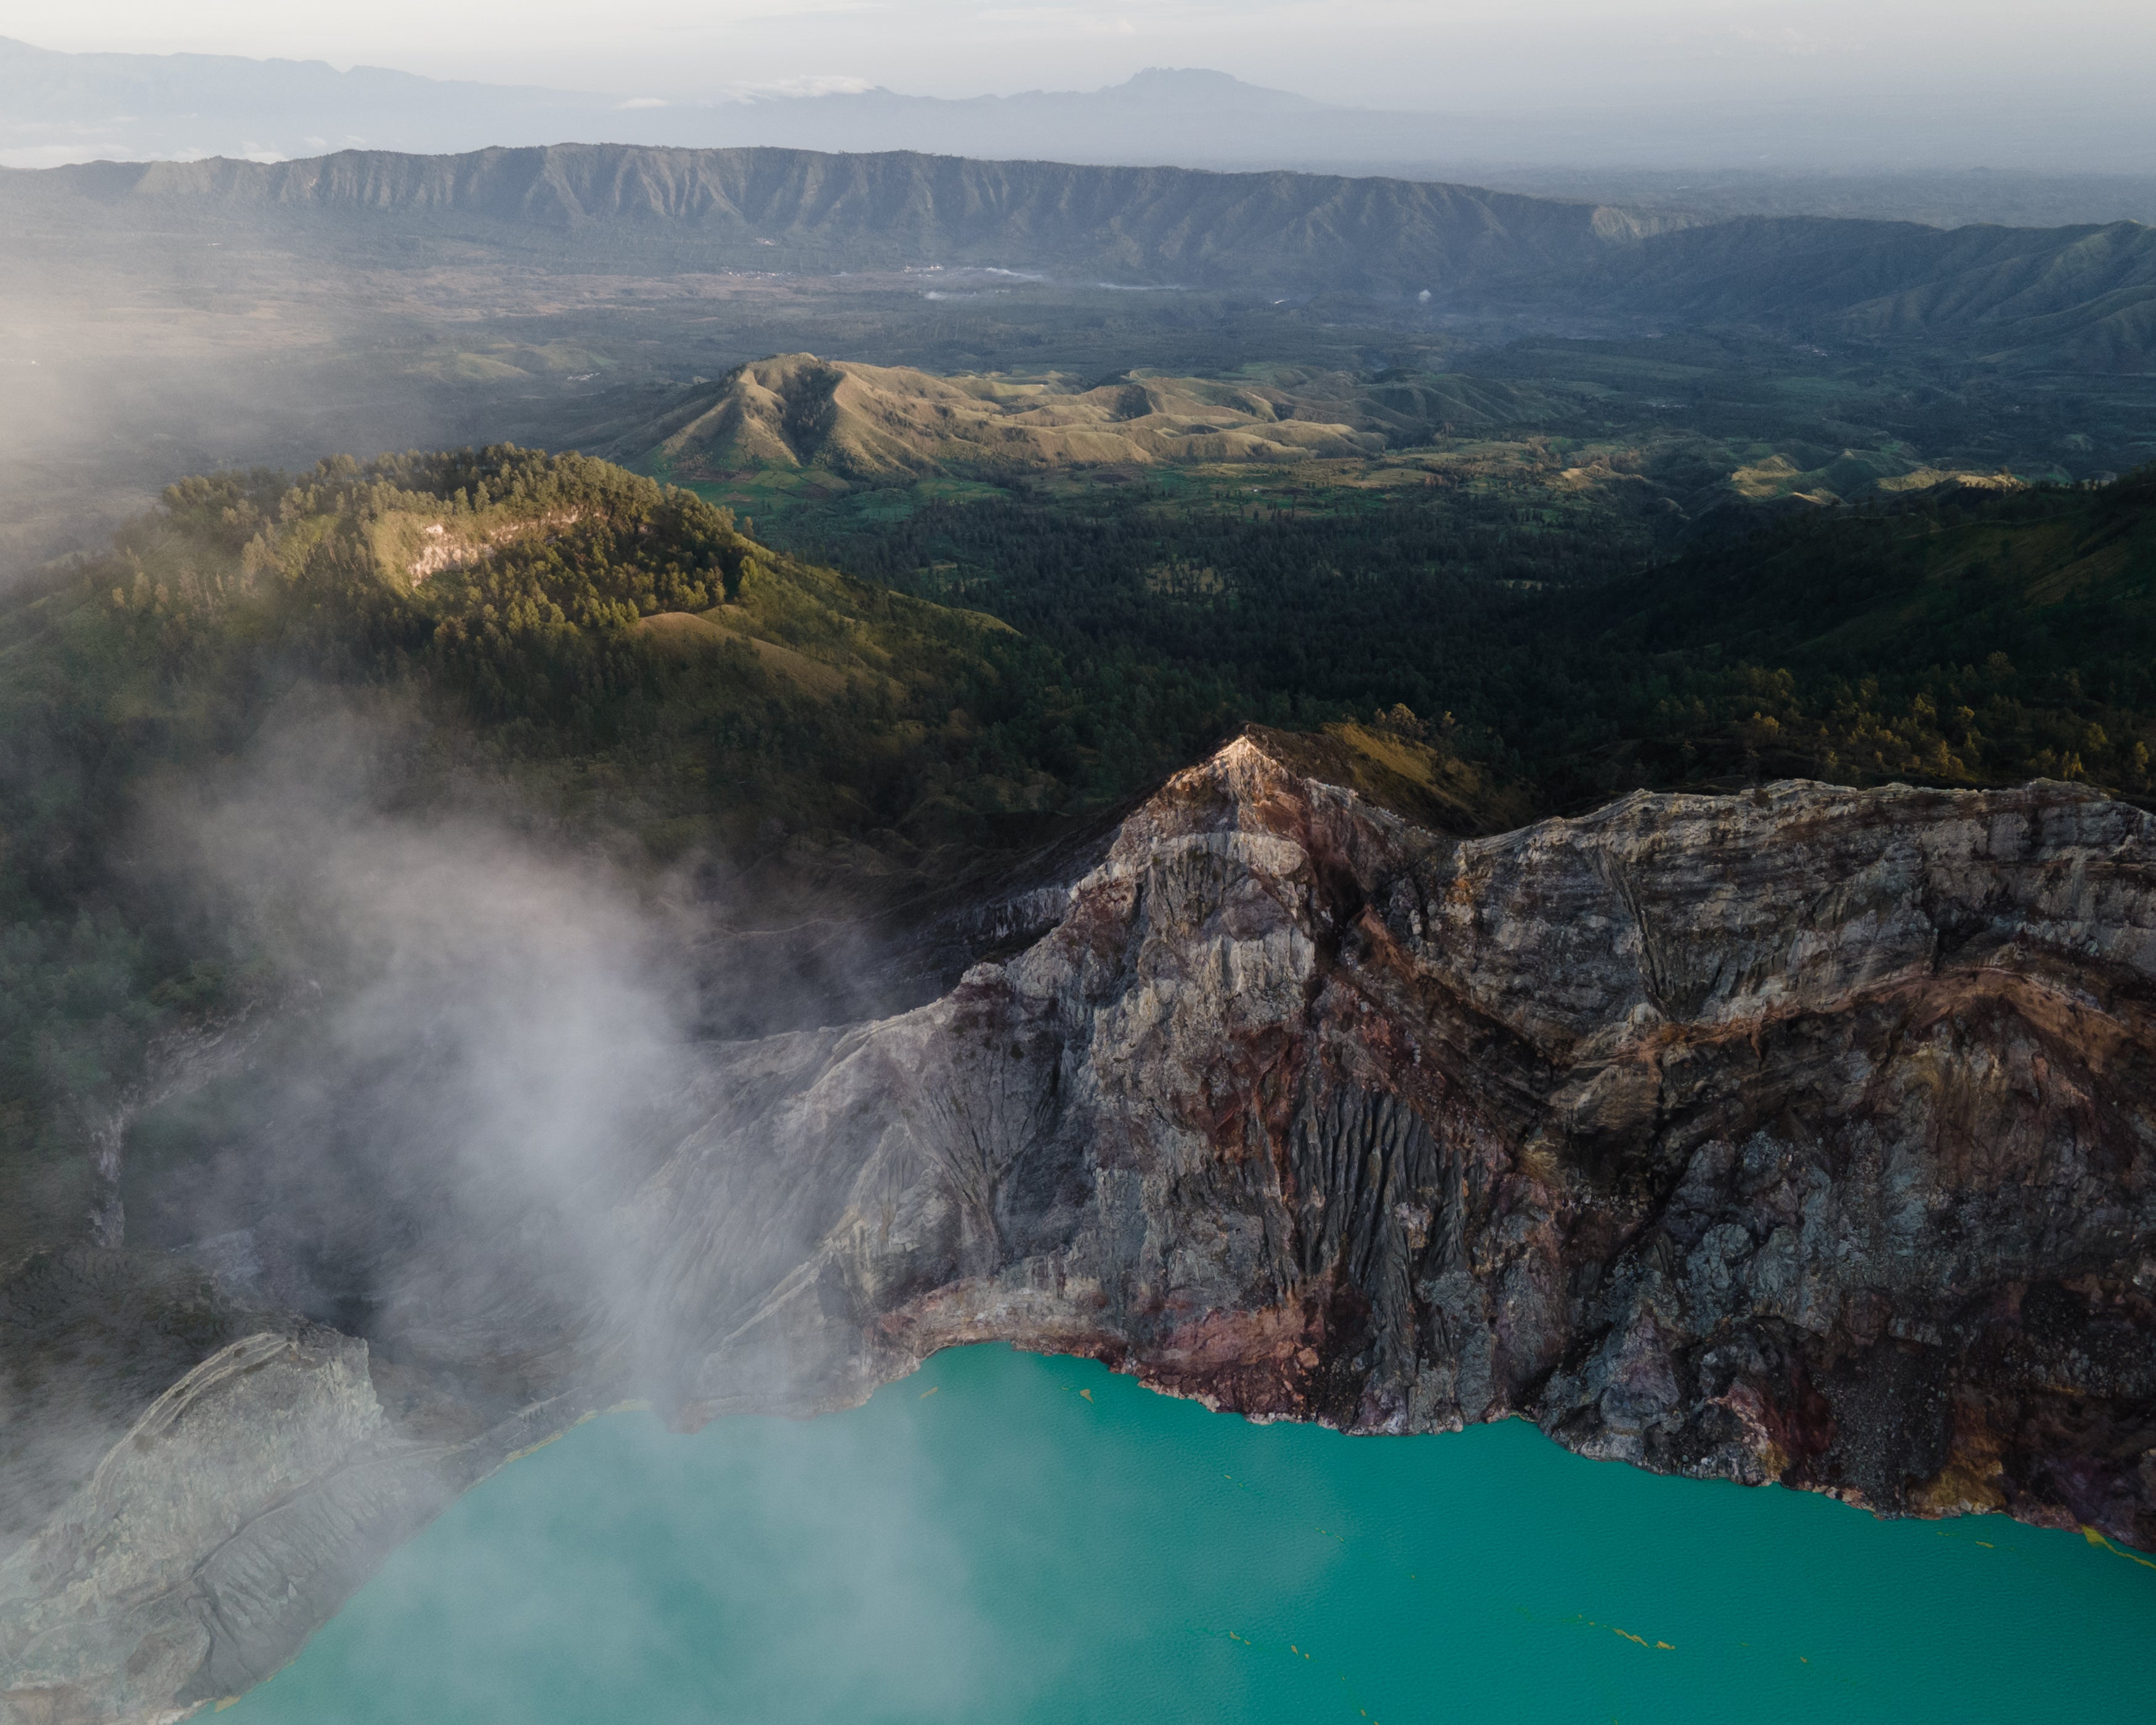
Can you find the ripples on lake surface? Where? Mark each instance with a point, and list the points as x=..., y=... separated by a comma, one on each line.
x=1002, y=1536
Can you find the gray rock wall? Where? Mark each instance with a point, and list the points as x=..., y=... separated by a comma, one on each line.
x=1802, y=1135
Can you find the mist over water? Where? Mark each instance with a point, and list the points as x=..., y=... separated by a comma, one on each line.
x=1004, y=1537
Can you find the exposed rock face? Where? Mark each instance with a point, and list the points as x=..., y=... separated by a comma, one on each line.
x=1803, y=1136
x=240, y=1511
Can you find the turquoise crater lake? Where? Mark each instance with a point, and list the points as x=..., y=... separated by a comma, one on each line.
x=1002, y=1536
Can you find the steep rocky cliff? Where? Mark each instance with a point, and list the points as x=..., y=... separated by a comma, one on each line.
x=1803, y=1135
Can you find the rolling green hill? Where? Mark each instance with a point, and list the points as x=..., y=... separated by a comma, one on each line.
x=565, y=607
x=880, y=424
x=793, y=433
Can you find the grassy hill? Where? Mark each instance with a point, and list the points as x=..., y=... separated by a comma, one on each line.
x=796, y=439
x=880, y=423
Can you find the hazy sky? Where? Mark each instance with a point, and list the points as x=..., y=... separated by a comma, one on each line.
x=1421, y=53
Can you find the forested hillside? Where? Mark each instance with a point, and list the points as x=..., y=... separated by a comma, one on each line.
x=1563, y=636
x=1974, y=638
x=606, y=662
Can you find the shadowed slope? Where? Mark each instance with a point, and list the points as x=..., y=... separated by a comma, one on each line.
x=2082, y=298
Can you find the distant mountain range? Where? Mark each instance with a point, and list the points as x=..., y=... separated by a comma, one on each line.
x=1273, y=233
x=79, y=107
x=2081, y=297
x=57, y=108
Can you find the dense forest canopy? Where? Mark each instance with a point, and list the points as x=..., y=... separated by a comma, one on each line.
x=1961, y=636
x=1980, y=638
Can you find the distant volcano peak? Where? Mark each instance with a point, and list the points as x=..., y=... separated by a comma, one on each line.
x=1188, y=86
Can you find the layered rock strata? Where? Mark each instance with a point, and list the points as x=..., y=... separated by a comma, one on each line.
x=1802, y=1135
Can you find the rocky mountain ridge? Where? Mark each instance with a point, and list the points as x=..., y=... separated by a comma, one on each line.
x=764, y=209
x=2072, y=298
x=1800, y=1135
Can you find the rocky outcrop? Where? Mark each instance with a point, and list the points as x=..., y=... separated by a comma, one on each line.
x=1801, y=1135
x=155, y=1550
x=241, y=1510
